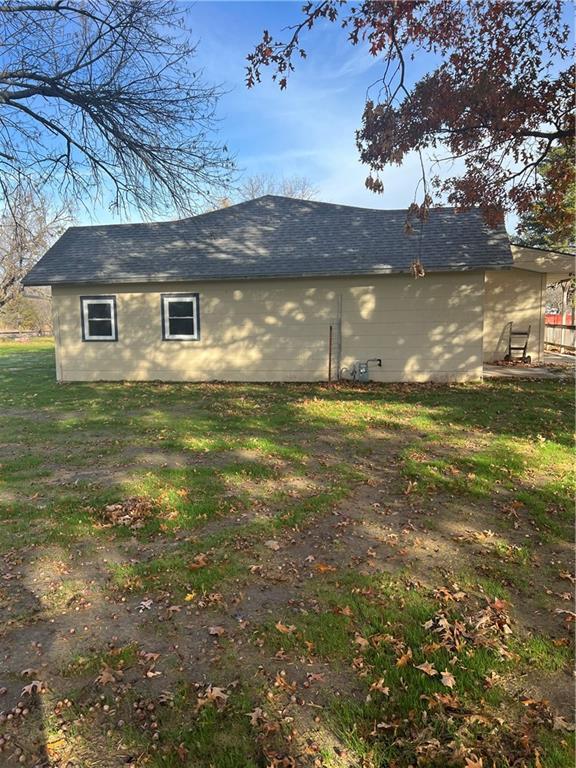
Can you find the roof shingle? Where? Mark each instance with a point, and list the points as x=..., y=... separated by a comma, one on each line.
x=271, y=237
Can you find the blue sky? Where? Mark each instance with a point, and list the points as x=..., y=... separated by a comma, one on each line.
x=308, y=129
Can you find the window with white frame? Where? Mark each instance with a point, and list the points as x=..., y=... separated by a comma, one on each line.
x=99, y=321
x=180, y=319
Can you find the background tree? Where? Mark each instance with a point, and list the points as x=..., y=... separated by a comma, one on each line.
x=257, y=185
x=499, y=100
x=545, y=228
x=100, y=98
x=31, y=311
x=27, y=229
x=266, y=184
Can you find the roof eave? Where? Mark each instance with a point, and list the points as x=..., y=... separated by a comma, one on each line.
x=165, y=278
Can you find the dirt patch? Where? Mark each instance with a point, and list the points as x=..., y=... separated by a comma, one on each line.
x=67, y=628
x=179, y=459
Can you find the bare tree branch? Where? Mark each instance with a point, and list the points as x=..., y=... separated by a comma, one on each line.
x=28, y=226
x=98, y=100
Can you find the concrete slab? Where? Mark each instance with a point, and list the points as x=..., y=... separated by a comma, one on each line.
x=555, y=366
x=555, y=358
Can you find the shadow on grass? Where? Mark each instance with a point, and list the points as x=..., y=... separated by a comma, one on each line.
x=318, y=432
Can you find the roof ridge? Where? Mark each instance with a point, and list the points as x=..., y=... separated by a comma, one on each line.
x=194, y=217
x=242, y=203
x=404, y=209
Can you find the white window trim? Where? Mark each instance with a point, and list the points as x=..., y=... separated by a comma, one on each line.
x=86, y=300
x=166, y=300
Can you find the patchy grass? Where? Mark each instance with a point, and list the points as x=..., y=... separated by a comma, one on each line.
x=92, y=663
x=339, y=576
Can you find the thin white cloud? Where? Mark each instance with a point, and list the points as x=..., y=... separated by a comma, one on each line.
x=308, y=129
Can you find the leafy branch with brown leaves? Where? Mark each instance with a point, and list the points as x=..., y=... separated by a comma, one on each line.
x=499, y=101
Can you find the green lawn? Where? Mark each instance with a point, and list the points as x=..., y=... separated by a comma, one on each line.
x=235, y=576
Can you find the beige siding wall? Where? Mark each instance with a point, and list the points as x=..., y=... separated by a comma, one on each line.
x=513, y=296
x=278, y=330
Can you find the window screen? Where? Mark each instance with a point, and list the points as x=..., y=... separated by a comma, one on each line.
x=99, y=318
x=180, y=317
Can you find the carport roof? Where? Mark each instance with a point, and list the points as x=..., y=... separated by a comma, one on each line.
x=543, y=260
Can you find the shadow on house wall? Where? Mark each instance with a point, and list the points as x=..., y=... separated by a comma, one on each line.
x=279, y=330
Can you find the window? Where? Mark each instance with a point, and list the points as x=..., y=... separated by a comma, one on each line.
x=180, y=320
x=99, y=318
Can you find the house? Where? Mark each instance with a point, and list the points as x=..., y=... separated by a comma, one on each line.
x=278, y=289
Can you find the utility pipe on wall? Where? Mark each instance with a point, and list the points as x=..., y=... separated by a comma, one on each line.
x=330, y=356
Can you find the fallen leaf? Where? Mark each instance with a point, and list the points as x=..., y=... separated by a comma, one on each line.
x=410, y=487
x=543, y=703
x=448, y=679
x=281, y=682
x=380, y=687
x=106, y=676
x=189, y=597
x=570, y=616
x=272, y=544
x=216, y=631
x=560, y=724
x=479, y=719
x=427, y=668
x=281, y=761
x=36, y=686
x=131, y=512
x=324, y=568
x=200, y=561
x=491, y=679
x=361, y=641
x=404, y=659
x=166, y=697
x=257, y=716
x=285, y=629
x=29, y=672
x=270, y=728
x=431, y=647
x=153, y=673
x=212, y=695
x=447, y=700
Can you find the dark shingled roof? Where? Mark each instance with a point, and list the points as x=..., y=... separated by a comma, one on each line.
x=271, y=237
